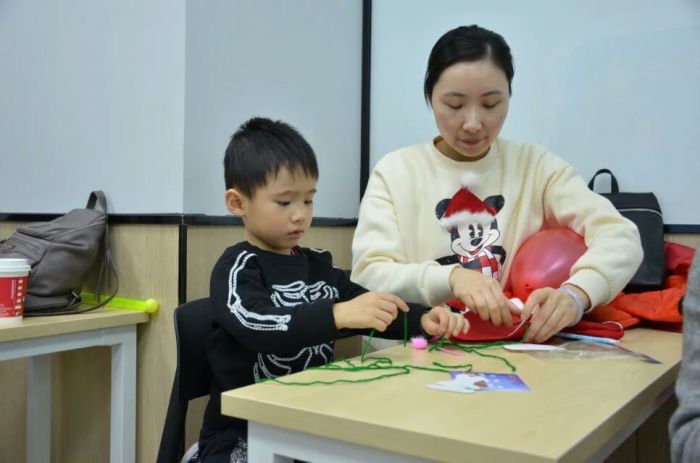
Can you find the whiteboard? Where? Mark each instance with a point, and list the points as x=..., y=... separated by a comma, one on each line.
x=599, y=83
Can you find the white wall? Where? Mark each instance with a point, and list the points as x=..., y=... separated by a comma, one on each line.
x=297, y=61
x=600, y=83
x=91, y=97
x=139, y=99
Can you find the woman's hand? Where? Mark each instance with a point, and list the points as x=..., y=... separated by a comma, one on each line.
x=441, y=321
x=551, y=310
x=482, y=294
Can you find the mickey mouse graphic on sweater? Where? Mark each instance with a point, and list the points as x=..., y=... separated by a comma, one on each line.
x=473, y=229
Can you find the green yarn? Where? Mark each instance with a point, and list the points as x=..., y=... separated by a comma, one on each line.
x=366, y=346
x=385, y=364
x=474, y=349
x=405, y=328
x=376, y=363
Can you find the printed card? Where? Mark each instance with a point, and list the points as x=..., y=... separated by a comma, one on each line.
x=470, y=382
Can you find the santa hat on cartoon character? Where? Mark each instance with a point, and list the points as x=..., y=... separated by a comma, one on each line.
x=466, y=208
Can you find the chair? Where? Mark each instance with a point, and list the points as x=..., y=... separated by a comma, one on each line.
x=193, y=323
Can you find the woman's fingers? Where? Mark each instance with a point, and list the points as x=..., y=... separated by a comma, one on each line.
x=552, y=314
x=490, y=304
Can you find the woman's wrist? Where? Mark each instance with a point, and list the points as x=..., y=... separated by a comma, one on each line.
x=581, y=301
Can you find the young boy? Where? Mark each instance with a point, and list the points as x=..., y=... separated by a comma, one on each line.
x=278, y=307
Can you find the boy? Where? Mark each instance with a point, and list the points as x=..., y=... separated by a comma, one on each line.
x=278, y=307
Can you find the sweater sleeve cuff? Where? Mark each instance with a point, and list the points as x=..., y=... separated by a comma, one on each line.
x=593, y=284
x=437, y=283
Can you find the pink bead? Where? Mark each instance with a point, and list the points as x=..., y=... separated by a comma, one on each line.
x=419, y=342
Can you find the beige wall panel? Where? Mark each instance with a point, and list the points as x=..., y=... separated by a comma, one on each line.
x=626, y=452
x=337, y=240
x=147, y=259
x=13, y=406
x=81, y=401
x=206, y=243
x=687, y=239
x=653, y=442
x=204, y=246
x=7, y=228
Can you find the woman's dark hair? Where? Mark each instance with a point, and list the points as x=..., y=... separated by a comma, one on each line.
x=466, y=44
x=259, y=149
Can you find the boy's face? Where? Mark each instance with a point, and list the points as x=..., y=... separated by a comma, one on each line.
x=279, y=213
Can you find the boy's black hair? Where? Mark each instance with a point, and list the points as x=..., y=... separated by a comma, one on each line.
x=466, y=44
x=259, y=149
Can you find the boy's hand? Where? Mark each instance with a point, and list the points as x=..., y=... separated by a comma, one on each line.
x=374, y=310
x=441, y=321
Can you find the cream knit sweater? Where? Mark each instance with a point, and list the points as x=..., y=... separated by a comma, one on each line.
x=399, y=237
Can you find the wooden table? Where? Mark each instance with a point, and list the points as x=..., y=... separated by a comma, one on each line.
x=39, y=337
x=577, y=410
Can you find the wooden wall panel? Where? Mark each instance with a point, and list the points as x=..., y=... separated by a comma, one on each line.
x=147, y=256
x=206, y=243
x=689, y=240
x=653, y=441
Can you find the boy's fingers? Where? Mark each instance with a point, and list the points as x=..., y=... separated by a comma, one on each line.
x=386, y=317
x=432, y=326
x=429, y=325
x=378, y=325
x=395, y=300
x=440, y=323
x=459, y=324
x=388, y=307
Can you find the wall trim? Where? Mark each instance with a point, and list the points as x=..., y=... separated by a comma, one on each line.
x=171, y=219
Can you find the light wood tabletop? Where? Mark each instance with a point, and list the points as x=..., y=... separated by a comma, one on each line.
x=576, y=410
x=34, y=327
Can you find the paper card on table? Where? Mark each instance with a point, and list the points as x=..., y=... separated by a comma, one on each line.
x=469, y=382
x=494, y=381
x=528, y=347
x=459, y=383
x=450, y=386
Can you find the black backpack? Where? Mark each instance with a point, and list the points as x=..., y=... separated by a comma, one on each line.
x=643, y=209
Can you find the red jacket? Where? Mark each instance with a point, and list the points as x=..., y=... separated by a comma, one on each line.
x=658, y=309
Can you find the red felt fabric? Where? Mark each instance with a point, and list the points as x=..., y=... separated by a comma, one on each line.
x=656, y=309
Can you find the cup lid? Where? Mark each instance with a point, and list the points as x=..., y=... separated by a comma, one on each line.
x=14, y=265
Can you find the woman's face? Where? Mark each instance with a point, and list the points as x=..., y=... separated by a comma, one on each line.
x=470, y=103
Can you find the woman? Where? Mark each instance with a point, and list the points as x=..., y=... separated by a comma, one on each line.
x=443, y=220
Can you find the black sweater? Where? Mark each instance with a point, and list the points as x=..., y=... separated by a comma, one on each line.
x=273, y=315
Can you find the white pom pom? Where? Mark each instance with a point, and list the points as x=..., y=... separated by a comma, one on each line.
x=469, y=180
